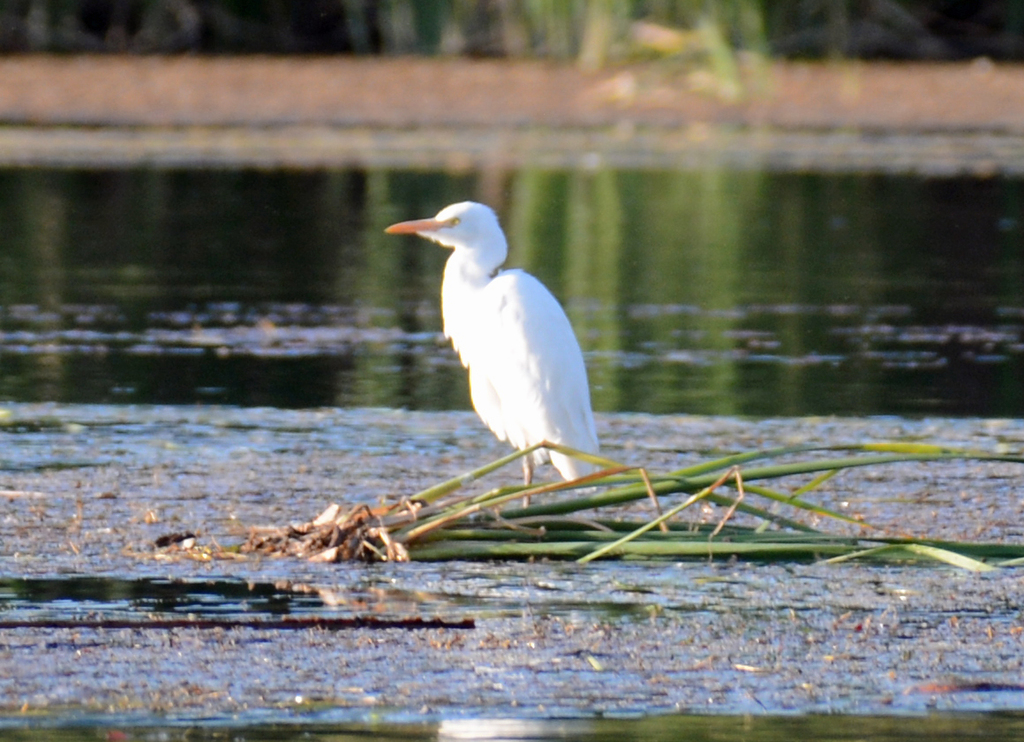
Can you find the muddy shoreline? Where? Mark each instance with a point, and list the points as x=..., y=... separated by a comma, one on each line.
x=403, y=92
x=932, y=119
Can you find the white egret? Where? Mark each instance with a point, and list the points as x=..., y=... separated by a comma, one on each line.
x=526, y=374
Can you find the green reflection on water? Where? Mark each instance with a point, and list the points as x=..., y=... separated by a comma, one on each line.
x=715, y=291
x=837, y=728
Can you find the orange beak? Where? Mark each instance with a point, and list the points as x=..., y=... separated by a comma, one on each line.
x=415, y=226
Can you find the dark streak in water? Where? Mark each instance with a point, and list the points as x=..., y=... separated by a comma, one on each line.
x=285, y=624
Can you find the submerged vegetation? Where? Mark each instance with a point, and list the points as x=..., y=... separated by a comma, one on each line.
x=442, y=523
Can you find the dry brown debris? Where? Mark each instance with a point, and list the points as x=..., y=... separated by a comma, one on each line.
x=330, y=537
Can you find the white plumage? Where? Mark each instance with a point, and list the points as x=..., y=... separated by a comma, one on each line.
x=527, y=379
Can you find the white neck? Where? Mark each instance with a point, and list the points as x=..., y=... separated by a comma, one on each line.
x=464, y=278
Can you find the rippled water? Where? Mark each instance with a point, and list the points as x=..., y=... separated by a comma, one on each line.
x=849, y=359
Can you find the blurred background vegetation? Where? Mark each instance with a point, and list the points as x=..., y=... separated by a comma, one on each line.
x=593, y=32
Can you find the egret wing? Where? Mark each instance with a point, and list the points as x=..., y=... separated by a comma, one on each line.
x=528, y=379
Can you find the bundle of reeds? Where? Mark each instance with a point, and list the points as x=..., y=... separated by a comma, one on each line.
x=597, y=517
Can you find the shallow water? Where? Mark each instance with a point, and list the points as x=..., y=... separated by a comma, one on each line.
x=88, y=489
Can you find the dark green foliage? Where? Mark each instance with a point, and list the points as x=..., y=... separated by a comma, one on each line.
x=594, y=31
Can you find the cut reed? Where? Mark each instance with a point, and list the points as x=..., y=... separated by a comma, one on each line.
x=595, y=517
x=768, y=512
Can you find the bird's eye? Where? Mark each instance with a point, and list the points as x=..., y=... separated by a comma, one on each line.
x=454, y=221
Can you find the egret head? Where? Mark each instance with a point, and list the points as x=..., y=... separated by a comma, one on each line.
x=466, y=226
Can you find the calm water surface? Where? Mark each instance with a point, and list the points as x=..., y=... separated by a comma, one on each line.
x=658, y=729
x=716, y=292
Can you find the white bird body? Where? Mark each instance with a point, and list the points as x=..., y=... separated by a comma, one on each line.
x=527, y=379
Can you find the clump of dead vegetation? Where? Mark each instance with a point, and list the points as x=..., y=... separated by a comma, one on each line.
x=333, y=536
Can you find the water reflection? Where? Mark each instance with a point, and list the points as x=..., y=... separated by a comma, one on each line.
x=101, y=598
x=663, y=728
x=715, y=291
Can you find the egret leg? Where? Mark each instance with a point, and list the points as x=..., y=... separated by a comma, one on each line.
x=527, y=477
